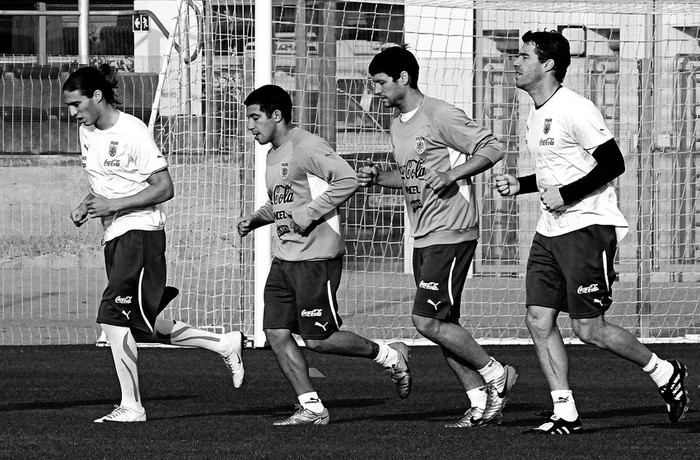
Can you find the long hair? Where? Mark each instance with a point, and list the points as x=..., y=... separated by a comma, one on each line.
x=87, y=80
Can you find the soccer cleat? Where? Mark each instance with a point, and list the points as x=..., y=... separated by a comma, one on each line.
x=557, y=425
x=674, y=392
x=234, y=358
x=400, y=373
x=498, y=392
x=473, y=418
x=305, y=417
x=123, y=414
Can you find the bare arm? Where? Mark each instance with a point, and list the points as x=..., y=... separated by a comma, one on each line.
x=369, y=175
x=259, y=218
x=79, y=215
x=438, y=180
x=160, y=189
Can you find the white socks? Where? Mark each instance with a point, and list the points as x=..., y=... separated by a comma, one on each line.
x=387, y=356
x=126, y=357
x=183, y=334
x=477, y=397
x=311, y=401
x=564, y=405
x=492, y=371
x=659, y=370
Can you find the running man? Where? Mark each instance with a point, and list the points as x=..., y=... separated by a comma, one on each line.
x=129, y=180
x=570, y=267
x=438, y=150
x=306, y=182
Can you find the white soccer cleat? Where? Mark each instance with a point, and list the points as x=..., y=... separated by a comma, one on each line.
x=473, y=418
x=123, y=414
x=498, y=392
x=234, y=358
x=305, y=417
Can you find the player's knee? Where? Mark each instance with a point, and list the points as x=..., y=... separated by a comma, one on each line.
x=586, y=330
x=318, y=346
x=276, y=337
x=538, y=324
x=533, y=321
x=427, y=327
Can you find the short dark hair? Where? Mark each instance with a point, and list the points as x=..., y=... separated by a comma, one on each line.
x=551, y=45
x=394, y=60
x=271, y=98
x=87, y=80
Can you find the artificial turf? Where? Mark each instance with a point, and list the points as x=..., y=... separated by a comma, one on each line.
x=50, y=395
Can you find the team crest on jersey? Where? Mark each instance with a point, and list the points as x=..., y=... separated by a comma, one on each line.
x=284, y=170
x=420, y=145
x=547, y=125
x=113, y=148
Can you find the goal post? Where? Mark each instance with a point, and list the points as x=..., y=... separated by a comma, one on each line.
x=263, y=245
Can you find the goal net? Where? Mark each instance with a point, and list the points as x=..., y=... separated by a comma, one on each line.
x=638, y=61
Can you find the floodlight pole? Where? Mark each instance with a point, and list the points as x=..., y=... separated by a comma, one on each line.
x=83, y=32
x=262, y=243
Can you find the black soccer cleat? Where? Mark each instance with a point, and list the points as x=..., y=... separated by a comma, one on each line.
x=557, y=425
x=674, y=392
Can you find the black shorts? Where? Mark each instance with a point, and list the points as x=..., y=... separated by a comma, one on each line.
x=301, y=297
x=440, y=272
x=136, y=272
x=573, y=272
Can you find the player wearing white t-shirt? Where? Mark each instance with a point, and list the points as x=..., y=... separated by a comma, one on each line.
x=570, y=266
x=129, y=181
x=438, y=149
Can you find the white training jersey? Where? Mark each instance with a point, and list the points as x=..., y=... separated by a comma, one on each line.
x=118, y=161
x=562, y=135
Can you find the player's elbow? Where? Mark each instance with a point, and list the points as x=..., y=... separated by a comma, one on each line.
x=621, y=167
x=492, y=152
x=167, y=192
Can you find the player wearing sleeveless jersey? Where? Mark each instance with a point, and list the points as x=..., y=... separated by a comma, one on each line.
x=129, y=180
x=306, y=182
x=438, y=149
x=570, y=266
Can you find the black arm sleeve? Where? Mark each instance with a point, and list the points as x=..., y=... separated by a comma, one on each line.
x=528, y=184
x=610, y=165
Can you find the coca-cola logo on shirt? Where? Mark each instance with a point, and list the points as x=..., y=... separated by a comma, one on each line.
x=282, y=194
x=412, y=169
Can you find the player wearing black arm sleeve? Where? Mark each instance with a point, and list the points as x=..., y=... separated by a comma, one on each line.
x=570, y=266
x=609, y=165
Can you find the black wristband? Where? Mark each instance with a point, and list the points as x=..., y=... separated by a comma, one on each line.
x=528, y=184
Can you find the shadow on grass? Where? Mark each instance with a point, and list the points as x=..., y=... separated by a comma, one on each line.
x=57, y=405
